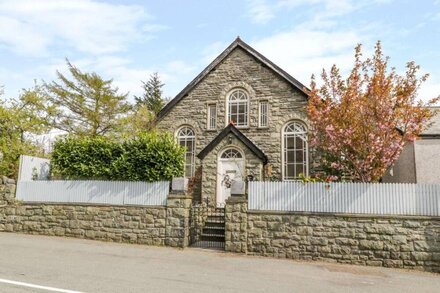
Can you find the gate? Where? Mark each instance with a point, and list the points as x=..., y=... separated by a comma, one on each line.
x=207, y=226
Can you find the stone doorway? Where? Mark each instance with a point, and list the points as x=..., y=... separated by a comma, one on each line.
x=231, y=169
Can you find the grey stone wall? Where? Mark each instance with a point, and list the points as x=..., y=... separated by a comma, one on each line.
x=236, y=219
x=151, y=225
x=399, y=242
x=239, y=70
x=178, y=220
x=7, y=191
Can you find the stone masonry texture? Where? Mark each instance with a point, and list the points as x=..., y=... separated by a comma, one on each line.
x=151, y=225
x=398, y=242
x=389, y=241
x=238, y=70
x=236, y=224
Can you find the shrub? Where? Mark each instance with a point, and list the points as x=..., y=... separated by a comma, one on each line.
x=148, y=157
x=81, y=158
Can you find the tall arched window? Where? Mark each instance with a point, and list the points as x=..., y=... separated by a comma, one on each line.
x=186, y=137
x=295, y=150
x=238, y=108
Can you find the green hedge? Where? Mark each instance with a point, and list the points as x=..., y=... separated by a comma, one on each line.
x=149, y=157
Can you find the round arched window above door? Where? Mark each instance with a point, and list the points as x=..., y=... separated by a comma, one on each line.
x=231, y=154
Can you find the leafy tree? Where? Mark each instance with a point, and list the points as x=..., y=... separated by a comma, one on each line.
x=361, y=124
x=138, y=121
x=88, y=105
x=21, y=121
x=152, y=96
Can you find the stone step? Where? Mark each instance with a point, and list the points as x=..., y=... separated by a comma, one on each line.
x=215, y=220
x=212, y=237
x=216, y=232
x=214, y=227
x=216, y=215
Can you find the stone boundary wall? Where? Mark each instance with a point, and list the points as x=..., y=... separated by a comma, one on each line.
x=390, y=241
x=151, y=225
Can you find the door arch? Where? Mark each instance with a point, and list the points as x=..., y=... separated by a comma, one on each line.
x=230, y=168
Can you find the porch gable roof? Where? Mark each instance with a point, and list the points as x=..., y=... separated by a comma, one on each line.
x=240, y=136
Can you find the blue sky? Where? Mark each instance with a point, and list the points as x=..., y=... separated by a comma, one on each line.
x=128, y=40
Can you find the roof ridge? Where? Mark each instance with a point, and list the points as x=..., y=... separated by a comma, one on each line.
x=237, y=42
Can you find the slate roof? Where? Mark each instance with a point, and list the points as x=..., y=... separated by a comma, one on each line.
x=240, y=136
x=236, y=43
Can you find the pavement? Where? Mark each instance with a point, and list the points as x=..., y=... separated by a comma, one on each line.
x=30, y=263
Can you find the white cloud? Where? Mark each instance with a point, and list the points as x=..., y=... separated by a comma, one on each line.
x=179, y=67
x=126, y=75
x=260, y=11
x=210, y=52
x=317, y=42
x=430, y=89
x=303, y=52
x=32, y=27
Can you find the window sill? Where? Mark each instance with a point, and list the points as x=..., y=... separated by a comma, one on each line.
x=263, y=127
x=211, y=130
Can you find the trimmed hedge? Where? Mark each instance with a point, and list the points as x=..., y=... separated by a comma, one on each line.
x=148, y=157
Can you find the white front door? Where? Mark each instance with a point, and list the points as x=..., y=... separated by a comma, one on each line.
x=230, y=168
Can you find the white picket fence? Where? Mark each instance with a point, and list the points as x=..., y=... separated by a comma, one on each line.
x=356, y=198
x=94, y=192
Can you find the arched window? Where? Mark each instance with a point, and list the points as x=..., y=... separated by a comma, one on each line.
x=231, y=154
x=186, y=137
x=295, y=150
x=238, y=108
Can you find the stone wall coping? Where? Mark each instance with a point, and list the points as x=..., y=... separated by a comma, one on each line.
x=321, y=214
x=23, y=203
x=236, y=199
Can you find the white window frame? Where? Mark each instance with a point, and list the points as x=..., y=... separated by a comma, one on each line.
x=186, y=137
x=243, y=101
x=231, y=153
x=301, y=132
x=210, y=118
x=261, y=114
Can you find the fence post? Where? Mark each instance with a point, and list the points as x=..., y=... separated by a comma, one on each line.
x=236, y=224
x=177, y=225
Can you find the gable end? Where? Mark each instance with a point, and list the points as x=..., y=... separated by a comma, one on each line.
x=237, y=43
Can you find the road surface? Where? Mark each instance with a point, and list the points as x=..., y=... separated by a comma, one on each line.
x=31, y=263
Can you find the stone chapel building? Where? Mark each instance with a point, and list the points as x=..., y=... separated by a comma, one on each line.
x=242, y=118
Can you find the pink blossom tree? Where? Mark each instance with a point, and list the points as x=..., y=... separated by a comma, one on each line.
x=360, y=125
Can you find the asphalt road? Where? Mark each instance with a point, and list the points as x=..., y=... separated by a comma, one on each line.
x=70, y=265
